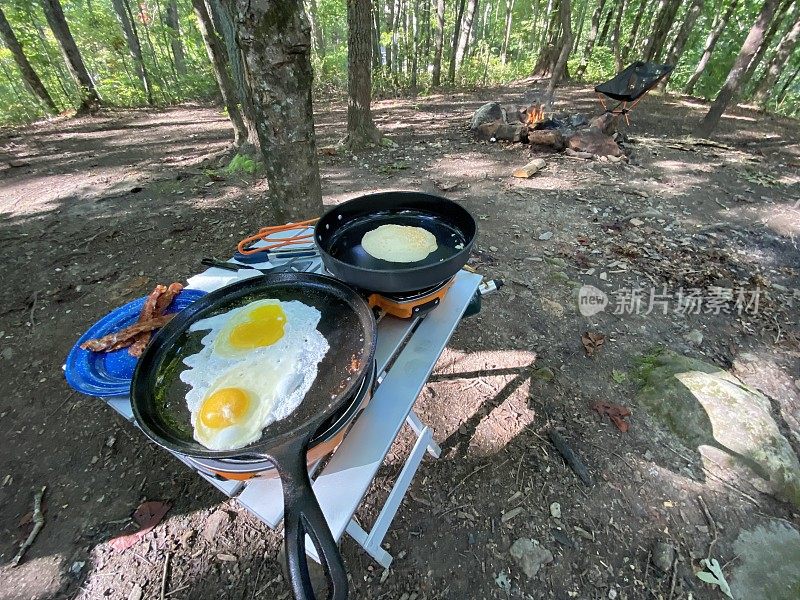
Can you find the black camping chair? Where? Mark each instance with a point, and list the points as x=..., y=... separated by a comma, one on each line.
x=630, y=85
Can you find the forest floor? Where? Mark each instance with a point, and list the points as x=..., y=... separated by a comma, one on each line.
x=96, y=210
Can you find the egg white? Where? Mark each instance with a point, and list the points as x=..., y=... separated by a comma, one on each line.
x=276, y=377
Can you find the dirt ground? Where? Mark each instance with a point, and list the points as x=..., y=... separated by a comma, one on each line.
x=95, y=211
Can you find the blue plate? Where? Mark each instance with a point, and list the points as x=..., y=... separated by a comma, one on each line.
x=109, y=374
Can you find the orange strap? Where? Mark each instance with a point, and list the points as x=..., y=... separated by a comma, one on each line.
x=265, y=232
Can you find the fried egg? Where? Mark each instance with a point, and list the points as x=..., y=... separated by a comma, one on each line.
x=256, y=366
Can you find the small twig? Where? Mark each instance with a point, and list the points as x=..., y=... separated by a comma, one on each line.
x=176, y=590
x=674, y=577
x=164, y=576
x=477, y=470
x=720, y=203
x=33, y=307
x=572, y=459
x=38, y=523
x=63, y=402
x=711, y=524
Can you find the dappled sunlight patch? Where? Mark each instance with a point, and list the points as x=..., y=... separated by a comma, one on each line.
x=479, y=400
x=783, y=220
x=470, y=166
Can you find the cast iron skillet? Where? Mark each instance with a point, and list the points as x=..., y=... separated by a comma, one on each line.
x=158, y=401
x=338, y=235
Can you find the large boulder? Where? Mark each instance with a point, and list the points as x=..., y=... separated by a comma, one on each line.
x=706, y=406
x=769, y=563
x=491, y=111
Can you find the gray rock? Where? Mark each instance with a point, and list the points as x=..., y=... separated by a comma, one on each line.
x=555, y=510
x=706, y=406
x=546, y=236
x=769, y=563
x=491, y=111
x=530, y=556
x=695, y=337
x=7, y=354
x=663, y=556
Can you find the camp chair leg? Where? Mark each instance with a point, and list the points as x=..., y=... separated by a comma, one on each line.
x=602, y=102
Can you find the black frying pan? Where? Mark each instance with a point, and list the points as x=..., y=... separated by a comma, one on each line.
x=338, y=235
x=158, y=401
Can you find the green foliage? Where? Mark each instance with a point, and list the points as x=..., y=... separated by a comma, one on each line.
x=242, y=164
x=600, y=67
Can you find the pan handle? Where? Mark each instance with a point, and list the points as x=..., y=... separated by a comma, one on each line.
x=304, y=516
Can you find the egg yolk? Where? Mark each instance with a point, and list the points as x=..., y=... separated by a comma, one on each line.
x=263, y=327
x=224, y=408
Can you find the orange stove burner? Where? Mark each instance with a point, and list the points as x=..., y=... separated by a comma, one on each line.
x=412, y=305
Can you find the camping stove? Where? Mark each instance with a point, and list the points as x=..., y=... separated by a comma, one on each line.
x=410, y=304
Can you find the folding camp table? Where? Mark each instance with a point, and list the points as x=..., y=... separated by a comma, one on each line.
x=407, y=350
x=630, y=85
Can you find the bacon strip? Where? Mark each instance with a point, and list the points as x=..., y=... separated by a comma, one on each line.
x=108, y=341
x=163, y=302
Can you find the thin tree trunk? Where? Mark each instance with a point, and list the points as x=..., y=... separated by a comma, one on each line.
x=134, y=47
x=217, y=56
x=275, y=39
x=634, y=32
x=159, y=72
x=784, y=50
x=316, y=28
x=89, y=97
x=788, y=82
x=426, y=36
x=376, y=35
x=395, y=26
x=581, y=22
x=361, y=130
x=451, y=68
x=601, y=41
x=507, y=31
x=56, y=65
x=415, y=44
x=734, y=80
x=762, y=49
x=591, y=39
x=175, y=42
x=660, y=29
x=615, y=41
x=559, y=69
x=438, y=45
x=711, y=42
x=29, y=76
x=676, y=50
x=466, y=31
x=221, y=17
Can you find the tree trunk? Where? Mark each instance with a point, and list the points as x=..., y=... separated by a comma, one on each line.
x=438, y=45
x=29, y=76
x=395, y=26
x=784, y=50
x=221, y=17
x=566, y=47
x=134, y=47
x=89, y=97
x=217, y=56
x=615, y=42
x=415, y=44
x=601, y=41
x=634, y=32
x=762, y=49
x=590, y=39
x=389, y=14
x=376, y=35
x=580, y=21
x=56, y=65
x=466, y=31
x=660, y=29
x=676, y=50
x=788, y=82
x=507, y=31
x=275, y=39
x=176, y=45
x=451, y=68
x=316, y=28
x=361, y=130
x=734, y=80
x=711, y=42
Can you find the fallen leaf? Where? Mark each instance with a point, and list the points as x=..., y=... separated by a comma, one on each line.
x=615, y=412
x=592, y=342
x=147, y=516
x=619, y=376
